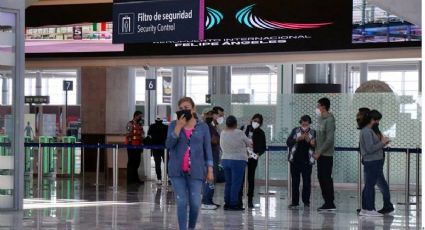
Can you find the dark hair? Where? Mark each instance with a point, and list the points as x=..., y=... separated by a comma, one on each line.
x=325, y=102
x=137, y=113
x=361, y=115
x=186, y=99
x=231, y=122
x=259, y=116
x=375, y=115
x=306, y=118
x=218, y=109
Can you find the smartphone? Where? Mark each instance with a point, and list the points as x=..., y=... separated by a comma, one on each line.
x=187, y=114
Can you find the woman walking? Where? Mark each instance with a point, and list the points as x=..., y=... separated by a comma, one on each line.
x=189, y=143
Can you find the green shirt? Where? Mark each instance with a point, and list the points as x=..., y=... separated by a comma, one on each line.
x=325, y=135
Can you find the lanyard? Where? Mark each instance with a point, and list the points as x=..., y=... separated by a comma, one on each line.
x=188, y=142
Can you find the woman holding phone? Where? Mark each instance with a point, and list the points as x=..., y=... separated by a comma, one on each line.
x=371, y=149
x=189, y=144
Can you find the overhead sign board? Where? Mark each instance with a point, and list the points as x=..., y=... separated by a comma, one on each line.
x=37, y=99
x=154, y=21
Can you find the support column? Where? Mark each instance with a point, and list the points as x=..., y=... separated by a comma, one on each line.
x=363, y=72
x=179, y=88
x=316, y=73
x=339, y=75
x=220, y=80
x=5, y=90
x=151, y=100
x=285, y=82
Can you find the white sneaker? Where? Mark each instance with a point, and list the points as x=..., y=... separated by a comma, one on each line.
x=372, y=213
x=208, y=207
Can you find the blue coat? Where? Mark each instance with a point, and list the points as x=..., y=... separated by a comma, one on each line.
x=200, y=145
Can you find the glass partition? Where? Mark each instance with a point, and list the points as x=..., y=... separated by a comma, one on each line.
x=401, y=125
x=8, y=30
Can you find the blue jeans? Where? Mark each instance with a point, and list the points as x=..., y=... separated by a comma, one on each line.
x=208, y=195
x=383, y=187
x=188, y=191
x=372, y=171
x=234, y=174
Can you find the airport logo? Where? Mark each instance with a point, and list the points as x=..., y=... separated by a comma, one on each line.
x=126, y=22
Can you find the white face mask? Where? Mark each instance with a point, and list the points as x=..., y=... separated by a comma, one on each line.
x=220, y=120
x=318, y=113
x=304, y=128
x=255, y=125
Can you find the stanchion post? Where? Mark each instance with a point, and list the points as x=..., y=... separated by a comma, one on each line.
x=267, y=174
x=97, y=164
x=407, y=180
x=116, y=168
x=388, y=156
x=39, y=170
x=165, y=177
x=359, y=182
x=417, y=181
x=82, y=163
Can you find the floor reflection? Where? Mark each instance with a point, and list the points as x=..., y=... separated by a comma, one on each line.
x=71, y=204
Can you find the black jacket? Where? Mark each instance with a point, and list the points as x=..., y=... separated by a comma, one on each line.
x=157, y=133
x=258, y=139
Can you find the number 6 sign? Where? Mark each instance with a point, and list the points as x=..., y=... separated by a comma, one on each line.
x=150, y=84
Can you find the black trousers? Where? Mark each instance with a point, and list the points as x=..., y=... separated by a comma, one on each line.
x=158, y=157
x=298, y=170
x=324, y=174
x=133, y=163
x=252, y=166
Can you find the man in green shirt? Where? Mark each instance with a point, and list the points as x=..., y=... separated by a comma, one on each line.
x=325, y=142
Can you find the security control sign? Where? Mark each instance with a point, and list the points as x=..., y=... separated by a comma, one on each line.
x=153, y=21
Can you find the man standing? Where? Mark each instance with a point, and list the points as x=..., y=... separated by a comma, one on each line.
x=220, y=118
x=158, y=135
x=209, y=187
x=325, y=142
x=134, y=137
x=28, y=131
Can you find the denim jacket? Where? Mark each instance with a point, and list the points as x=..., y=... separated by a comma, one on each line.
x=200, y=145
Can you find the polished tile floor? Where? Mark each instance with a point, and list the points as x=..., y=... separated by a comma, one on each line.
x=67, y=204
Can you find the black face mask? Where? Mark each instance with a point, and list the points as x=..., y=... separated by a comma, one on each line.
x=375, y=128
x=187, y=114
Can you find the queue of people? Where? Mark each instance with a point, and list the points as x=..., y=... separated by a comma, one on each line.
x=198, y=146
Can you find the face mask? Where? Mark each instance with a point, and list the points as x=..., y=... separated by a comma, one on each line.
x=318, y=113
x=255, y=125
x=186, y=112
x=375, y=127
x=208, y=120
x=220, y=120
x=304, y=129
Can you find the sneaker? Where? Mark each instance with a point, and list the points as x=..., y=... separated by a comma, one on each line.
x=370, y=213
x=327, y=208
x=235, y=208
x=208, y=207
x=306, y=205
x=159, y=182
x=293, y=206
x=386, y=210
x=218, y=206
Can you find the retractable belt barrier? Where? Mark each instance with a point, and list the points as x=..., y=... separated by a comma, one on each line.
x=271, y=148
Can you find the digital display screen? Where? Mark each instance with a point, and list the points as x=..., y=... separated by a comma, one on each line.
x=243, y=26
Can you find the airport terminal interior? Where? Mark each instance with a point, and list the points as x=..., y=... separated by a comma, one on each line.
x=69, y=90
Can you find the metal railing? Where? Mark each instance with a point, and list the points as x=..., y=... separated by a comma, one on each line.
x=115, y=148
